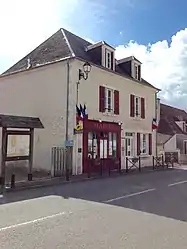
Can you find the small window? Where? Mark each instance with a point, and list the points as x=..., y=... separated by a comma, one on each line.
x=108, y=59
x=109, y=100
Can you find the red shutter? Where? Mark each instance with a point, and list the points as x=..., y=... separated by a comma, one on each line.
x=142, y=108
x=116, y=102
x=101, y=98
x=132, y=105
x=138, y=144
x=150, y=144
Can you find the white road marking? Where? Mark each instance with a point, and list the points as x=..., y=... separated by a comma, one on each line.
x=176, y=183
x=32, y=221
x=130, y=195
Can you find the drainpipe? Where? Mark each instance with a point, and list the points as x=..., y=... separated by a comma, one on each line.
x=67, y=102
x=156, y=116
x=67, y=118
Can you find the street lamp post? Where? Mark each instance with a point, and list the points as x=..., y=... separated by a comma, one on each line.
x=83, y=74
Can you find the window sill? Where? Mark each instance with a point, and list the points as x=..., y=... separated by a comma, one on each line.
x=109, y=114
x=137, y=118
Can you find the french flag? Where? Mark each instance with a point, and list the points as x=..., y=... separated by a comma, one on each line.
x=79, y=115
x=83, y=111
x=154, y=124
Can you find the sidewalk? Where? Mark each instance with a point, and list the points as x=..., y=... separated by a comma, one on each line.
x=44, y=182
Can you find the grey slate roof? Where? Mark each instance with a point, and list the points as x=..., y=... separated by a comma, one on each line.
x=168, y=116
x=61, y=45
x=54, y=48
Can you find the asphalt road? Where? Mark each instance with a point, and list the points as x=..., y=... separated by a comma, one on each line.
x=140, y=211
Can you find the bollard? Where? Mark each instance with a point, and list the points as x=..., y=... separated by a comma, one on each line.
x=89, y=174
x=109, y=169
x=2, y=184
x=162, y=161
x=153, y=162
x=12, y=185
x=127, y=170
x=30, y=177
x=119, y=164
x=101, y=167
x=139, y=164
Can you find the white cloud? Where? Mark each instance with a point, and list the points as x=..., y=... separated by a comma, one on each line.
x=164, y=65
x=25, y=24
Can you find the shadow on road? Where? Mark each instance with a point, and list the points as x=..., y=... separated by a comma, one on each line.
x=164, y=201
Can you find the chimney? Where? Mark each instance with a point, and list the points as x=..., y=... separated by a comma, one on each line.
x=29, y=65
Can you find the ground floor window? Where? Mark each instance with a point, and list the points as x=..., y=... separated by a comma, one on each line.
x=92, y=145
x=144, y=143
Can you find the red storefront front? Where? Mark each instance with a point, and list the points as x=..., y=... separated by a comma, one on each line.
x=101, y=145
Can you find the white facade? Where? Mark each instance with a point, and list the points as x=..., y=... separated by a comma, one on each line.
x=38, y=93
x=42, y=92
x=89, y=94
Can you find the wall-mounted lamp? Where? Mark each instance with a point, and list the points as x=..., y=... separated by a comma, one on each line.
x=120, y=123
x=86, y=70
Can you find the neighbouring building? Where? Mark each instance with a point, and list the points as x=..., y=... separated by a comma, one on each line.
x=172, y=132
x=120, y=104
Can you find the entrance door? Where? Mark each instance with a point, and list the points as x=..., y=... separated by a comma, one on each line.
x=108, y=150
x=129, y=145
x=102, y=151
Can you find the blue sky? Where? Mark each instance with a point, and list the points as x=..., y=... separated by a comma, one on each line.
x=154, y=31
x=143, y=21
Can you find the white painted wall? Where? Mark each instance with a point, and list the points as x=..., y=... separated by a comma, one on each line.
x=171, y=145
x=39, y=93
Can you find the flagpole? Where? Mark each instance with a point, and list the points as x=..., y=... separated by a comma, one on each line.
x=77, y=97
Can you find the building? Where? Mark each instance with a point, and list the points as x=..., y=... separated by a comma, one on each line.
x=172, y=132
x=48, y=83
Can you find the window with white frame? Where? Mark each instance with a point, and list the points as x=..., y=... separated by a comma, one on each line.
x=137, y=106
x=136, y=71
x=129, y=144
x=108, y=59
x=109, y=100
x=144, y=143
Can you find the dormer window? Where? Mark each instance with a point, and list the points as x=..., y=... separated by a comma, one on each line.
x=108, y=59
x=102, y=54
x=132, y=66
x=136, y=72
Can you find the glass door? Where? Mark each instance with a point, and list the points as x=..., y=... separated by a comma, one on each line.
x=103, y=145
